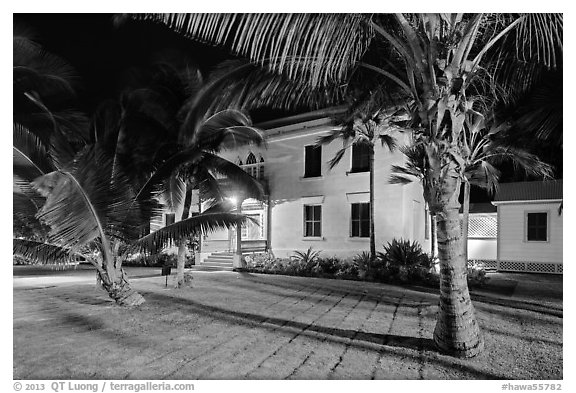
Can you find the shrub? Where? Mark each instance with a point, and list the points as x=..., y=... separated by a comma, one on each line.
x=476, y=275
x=327, y=266
x=363, y=263
x=347, y=269
x=403, y=253
x=156, y=260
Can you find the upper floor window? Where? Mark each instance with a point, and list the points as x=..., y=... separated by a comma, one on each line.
x=360, y=158
x=312, y=161
x=537, y=227
x=254, y=167
x=360, y=218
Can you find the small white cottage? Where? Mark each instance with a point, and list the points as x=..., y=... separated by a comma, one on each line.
x=530, y=226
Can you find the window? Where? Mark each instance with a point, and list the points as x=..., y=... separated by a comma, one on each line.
x=261, y=175
x=312, y=220
x=537, y=227
x=360, y=158
x=360, y=220
x=313, y=161
x=253, y=167
x=170, y=218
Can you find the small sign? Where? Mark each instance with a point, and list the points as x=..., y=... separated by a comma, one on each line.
x=166, y=270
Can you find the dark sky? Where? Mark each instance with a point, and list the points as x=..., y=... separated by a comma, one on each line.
x=102, y=53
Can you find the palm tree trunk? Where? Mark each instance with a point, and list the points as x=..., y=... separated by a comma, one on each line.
x=372, y=234
x=457, y=332
x=465, y=218
x=182, y=242
x=114, y=280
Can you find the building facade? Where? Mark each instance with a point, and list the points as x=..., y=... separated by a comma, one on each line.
x=310, y=205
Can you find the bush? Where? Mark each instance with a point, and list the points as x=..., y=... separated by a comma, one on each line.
x=154, y=260
x=476, y=275
x=403, y=253
x=327, y=266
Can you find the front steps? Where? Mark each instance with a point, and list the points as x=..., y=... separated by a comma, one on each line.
x=221, y=260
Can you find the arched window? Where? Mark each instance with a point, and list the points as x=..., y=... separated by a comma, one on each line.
x=251, y=159
x=253, y=167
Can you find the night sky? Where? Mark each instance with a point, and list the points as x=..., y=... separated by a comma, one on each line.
x=102, y=53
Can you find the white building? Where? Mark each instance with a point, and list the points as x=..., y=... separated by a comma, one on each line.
x=310, y=205
x=530, y=226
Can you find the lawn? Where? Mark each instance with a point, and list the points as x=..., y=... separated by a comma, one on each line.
x=249, y=326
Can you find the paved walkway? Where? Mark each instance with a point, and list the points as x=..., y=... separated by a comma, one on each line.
x=233, y=325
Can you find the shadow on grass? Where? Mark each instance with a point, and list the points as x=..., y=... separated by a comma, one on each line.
x=382, y=343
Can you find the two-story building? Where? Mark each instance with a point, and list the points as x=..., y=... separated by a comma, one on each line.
x=309, y=205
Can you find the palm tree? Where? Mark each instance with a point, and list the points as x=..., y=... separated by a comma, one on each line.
x=446, y=66
x=191, y=121
x=76, y=201
x=484, y=147
x=365, y=126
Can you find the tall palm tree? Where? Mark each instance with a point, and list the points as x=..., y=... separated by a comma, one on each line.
x=446, y=66
x=484, y=148
x=365, y=125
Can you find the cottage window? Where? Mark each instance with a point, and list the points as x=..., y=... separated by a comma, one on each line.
x=313, y=161
x=537, y=227
x=360, y=157
x=312, y=220
x=360, y=220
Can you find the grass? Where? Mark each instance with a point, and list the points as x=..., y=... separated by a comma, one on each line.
x=249, y=326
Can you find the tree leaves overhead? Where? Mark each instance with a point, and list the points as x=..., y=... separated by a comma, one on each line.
x=259, y=88
x=324, y=47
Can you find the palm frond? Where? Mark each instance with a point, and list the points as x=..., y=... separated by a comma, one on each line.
x=260, y=88
x=45, y=253
x=85, y=202
x=173, y=193
x=403, y=175
x=30, y=155
x=483, y=175
x=389, y=141
x=227, y=129
x=241, y=180
x=200, y=224
x=35, y=69
x=323, y=47
x=337, y=158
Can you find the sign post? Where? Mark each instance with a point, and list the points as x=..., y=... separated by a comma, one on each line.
x=166, y=271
